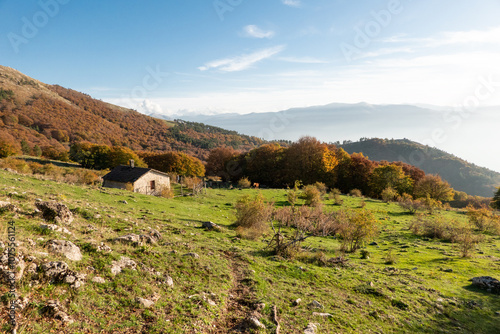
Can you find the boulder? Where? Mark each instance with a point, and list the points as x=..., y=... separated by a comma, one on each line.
x=66, y=248
x=487, y=283
x=138, y=239
x=209, y=226
x=56, y=212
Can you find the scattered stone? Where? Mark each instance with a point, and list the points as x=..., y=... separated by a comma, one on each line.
x=324, y=315
x=209, y=226
x=55, y=310
x=124, y=202
x=315, y=304
x=145, y=302
x=66, y=248
x=98, y=279
x=497, y=313
x=487, y=283
x=193, y=255
x=260, y=307
x=57, y=212
x=296, y=302
x=448, y=270
x=55, y=228
x=124, y=262
x=254, y=323
x=310, y=329
x=373, y=244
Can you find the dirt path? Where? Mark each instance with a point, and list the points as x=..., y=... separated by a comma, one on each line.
x=240, y=298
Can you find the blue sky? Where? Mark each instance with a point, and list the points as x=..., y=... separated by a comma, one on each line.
x=213, y=56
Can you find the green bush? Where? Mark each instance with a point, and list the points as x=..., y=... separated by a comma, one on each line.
x=252, y=216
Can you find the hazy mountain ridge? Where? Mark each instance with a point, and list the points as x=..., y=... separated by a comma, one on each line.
x=462, y=175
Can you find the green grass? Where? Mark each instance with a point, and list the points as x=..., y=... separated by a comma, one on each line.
x=413, y=295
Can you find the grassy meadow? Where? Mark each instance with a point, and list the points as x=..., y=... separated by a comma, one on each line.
x=405, y=283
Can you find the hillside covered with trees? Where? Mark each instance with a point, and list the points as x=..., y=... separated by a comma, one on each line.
x=462, y=175
x=36, y=117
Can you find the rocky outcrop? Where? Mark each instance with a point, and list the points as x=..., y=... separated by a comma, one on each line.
x=56, y=212
x=139, y=239
x=5, y=270
x=59, y=272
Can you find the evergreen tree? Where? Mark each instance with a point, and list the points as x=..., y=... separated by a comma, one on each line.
x=495, y=204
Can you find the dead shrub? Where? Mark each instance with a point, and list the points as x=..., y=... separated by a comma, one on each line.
x=436, y=228
x=252, y=216
x=466, y=240
x=321, y=187
x=335, y=197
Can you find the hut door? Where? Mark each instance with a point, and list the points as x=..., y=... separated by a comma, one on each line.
x=152, y=185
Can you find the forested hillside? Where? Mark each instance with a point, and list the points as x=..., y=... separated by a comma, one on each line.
x=461, y=175
x=37, y=116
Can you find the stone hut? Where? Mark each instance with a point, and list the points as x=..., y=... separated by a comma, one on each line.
x=140, y=180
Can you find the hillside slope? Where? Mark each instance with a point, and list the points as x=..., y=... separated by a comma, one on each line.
x=50, y=115
x=462, y=175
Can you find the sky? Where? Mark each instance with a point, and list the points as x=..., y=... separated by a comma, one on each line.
x=179, y=57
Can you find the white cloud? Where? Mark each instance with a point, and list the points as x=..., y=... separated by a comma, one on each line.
x=149, y=107
x=292, y=3
x=256, y=32
x=303, y=60
x=242, y=62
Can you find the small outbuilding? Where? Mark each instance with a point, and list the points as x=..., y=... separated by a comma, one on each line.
x=140, y=180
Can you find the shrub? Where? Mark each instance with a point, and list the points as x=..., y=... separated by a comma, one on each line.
x=438, y=227
x=483, y=219
x=252, y=216
x=291, y=197
x=244, y=183
x=389, y=194
x=390, y=258
x=406, y=202
x=355, y=228
x=335, y=196
x=312, y=195
x=467, y=241
x=355, y=193
x=167, y=192
x=321, y=187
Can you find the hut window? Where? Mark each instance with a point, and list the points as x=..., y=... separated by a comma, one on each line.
x=152, y=185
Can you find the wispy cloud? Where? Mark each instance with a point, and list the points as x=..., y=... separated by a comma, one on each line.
x=243, y=62
x=256, y=32
x=303, y=60
x=292, y=3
